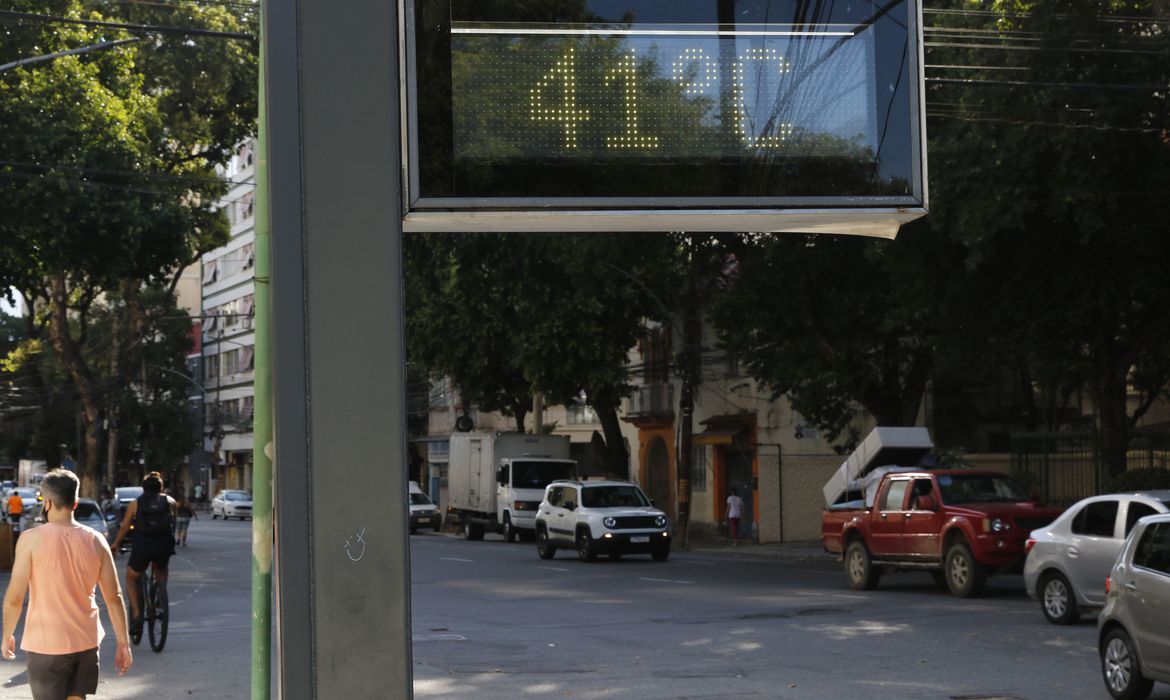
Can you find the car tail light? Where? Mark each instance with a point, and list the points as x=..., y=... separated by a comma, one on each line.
x=1108, y=584
x=1029, y=545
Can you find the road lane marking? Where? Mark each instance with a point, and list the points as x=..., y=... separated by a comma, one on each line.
x=664, y=580
x=551, y=568
x=467, y=561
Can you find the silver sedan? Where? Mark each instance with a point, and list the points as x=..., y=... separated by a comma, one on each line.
x=1069, y=559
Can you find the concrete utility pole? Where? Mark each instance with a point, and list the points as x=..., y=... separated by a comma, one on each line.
x=335, y=185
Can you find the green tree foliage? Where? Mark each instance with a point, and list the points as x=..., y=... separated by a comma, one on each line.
x=508, y=315
x=838, y=323
x=108, y=181
x=1050, y=164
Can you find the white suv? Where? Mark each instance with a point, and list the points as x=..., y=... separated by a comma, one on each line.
x=600, y=517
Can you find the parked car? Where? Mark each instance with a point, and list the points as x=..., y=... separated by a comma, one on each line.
x=1069, y=558
x=231, y=504
x=600, y=517
x=1133, y=627
x=124, y=496
x=87, y=513
x=423, y=513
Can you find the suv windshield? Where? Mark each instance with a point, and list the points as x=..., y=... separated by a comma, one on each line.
x=978, y=488
x=537, y=475
x=419, y=499
x=613, y=497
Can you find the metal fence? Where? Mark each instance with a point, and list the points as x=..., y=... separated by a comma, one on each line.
x=1065, y=467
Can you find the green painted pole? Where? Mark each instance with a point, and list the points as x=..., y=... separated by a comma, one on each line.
x=262, y=446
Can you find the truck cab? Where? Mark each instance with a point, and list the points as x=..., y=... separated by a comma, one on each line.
x=520, y=485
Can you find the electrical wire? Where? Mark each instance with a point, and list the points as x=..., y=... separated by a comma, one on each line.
x=140, y=28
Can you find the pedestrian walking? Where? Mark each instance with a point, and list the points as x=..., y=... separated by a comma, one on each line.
x=59, y=565
x=734, y=513
x=184, y=511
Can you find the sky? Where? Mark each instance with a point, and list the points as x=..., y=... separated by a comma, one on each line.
x=7, y=308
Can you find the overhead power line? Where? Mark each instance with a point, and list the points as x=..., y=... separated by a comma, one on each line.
x=145, y=28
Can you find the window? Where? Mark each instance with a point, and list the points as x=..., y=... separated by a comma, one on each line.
x=895, y=495
x=211, y=372
x=699, y=468
x=231, y=362
x=1096, y=519
x=247, y=406
x=1137, y=511
x=556, y=495
x=922, y=487
x=1153, y=550
x=580, y=414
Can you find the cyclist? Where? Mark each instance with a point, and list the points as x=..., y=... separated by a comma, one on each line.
x=153, y=515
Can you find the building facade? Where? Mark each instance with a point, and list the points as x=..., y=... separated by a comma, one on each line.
x=227, y=337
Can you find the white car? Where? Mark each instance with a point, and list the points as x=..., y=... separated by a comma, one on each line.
x=231, y=504
x=1069, y=558
x=600, y=517
x=423, y=512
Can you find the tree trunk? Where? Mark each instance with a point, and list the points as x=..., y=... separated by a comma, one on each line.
x=1112, y=419
x=70, y=357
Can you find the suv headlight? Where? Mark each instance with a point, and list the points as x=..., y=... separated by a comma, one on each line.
x=996, y=525
x=610, y=522
x=660, y=521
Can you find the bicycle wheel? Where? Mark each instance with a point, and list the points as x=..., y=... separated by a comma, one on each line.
x=136, y=630
x=160, y=615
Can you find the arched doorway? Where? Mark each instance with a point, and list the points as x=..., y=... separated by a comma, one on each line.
x=658, y=476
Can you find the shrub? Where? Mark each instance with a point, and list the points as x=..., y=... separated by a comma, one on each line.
x=1147, y=479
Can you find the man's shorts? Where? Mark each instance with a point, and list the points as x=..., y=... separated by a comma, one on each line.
x=57, y=676
x=155, y=549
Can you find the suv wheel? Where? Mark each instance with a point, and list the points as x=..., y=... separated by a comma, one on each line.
x=965, y=576
x=544, y=548
x=509, y=531
x=1120, y=667
x=1057, y=600
x=585, y=550
x=860, y=569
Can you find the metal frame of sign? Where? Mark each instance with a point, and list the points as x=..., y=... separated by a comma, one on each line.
x=878, y=216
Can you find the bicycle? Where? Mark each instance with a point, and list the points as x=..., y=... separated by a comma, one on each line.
x=155, y=612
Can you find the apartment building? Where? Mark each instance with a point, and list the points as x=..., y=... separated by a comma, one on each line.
x=227, y=339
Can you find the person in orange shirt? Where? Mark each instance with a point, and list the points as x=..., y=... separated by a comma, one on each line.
x=15, y=506
x=59, y=565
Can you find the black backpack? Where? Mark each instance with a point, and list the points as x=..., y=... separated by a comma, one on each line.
x=154, y=515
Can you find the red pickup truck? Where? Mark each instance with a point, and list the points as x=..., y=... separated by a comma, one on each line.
x=959, y=524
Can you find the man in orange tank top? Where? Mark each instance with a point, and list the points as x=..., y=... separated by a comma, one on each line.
x=59, y=564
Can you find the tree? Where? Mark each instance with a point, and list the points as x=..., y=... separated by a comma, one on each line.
x=508, y=315
x=109, y=182
x=837, y=323
x=1052, y=179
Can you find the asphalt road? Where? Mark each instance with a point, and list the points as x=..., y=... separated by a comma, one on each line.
x=491, y=620
x=207, y=654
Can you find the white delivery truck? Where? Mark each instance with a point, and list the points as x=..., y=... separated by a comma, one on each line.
x=495, y=481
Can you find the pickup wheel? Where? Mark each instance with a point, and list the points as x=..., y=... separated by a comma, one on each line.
x=544, y=548
x=1057, y=600
x=965, y=576
x=472, y=531
x=509, y=530
x=860, y=569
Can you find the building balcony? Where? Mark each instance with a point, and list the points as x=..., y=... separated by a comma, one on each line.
x=651, y=401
